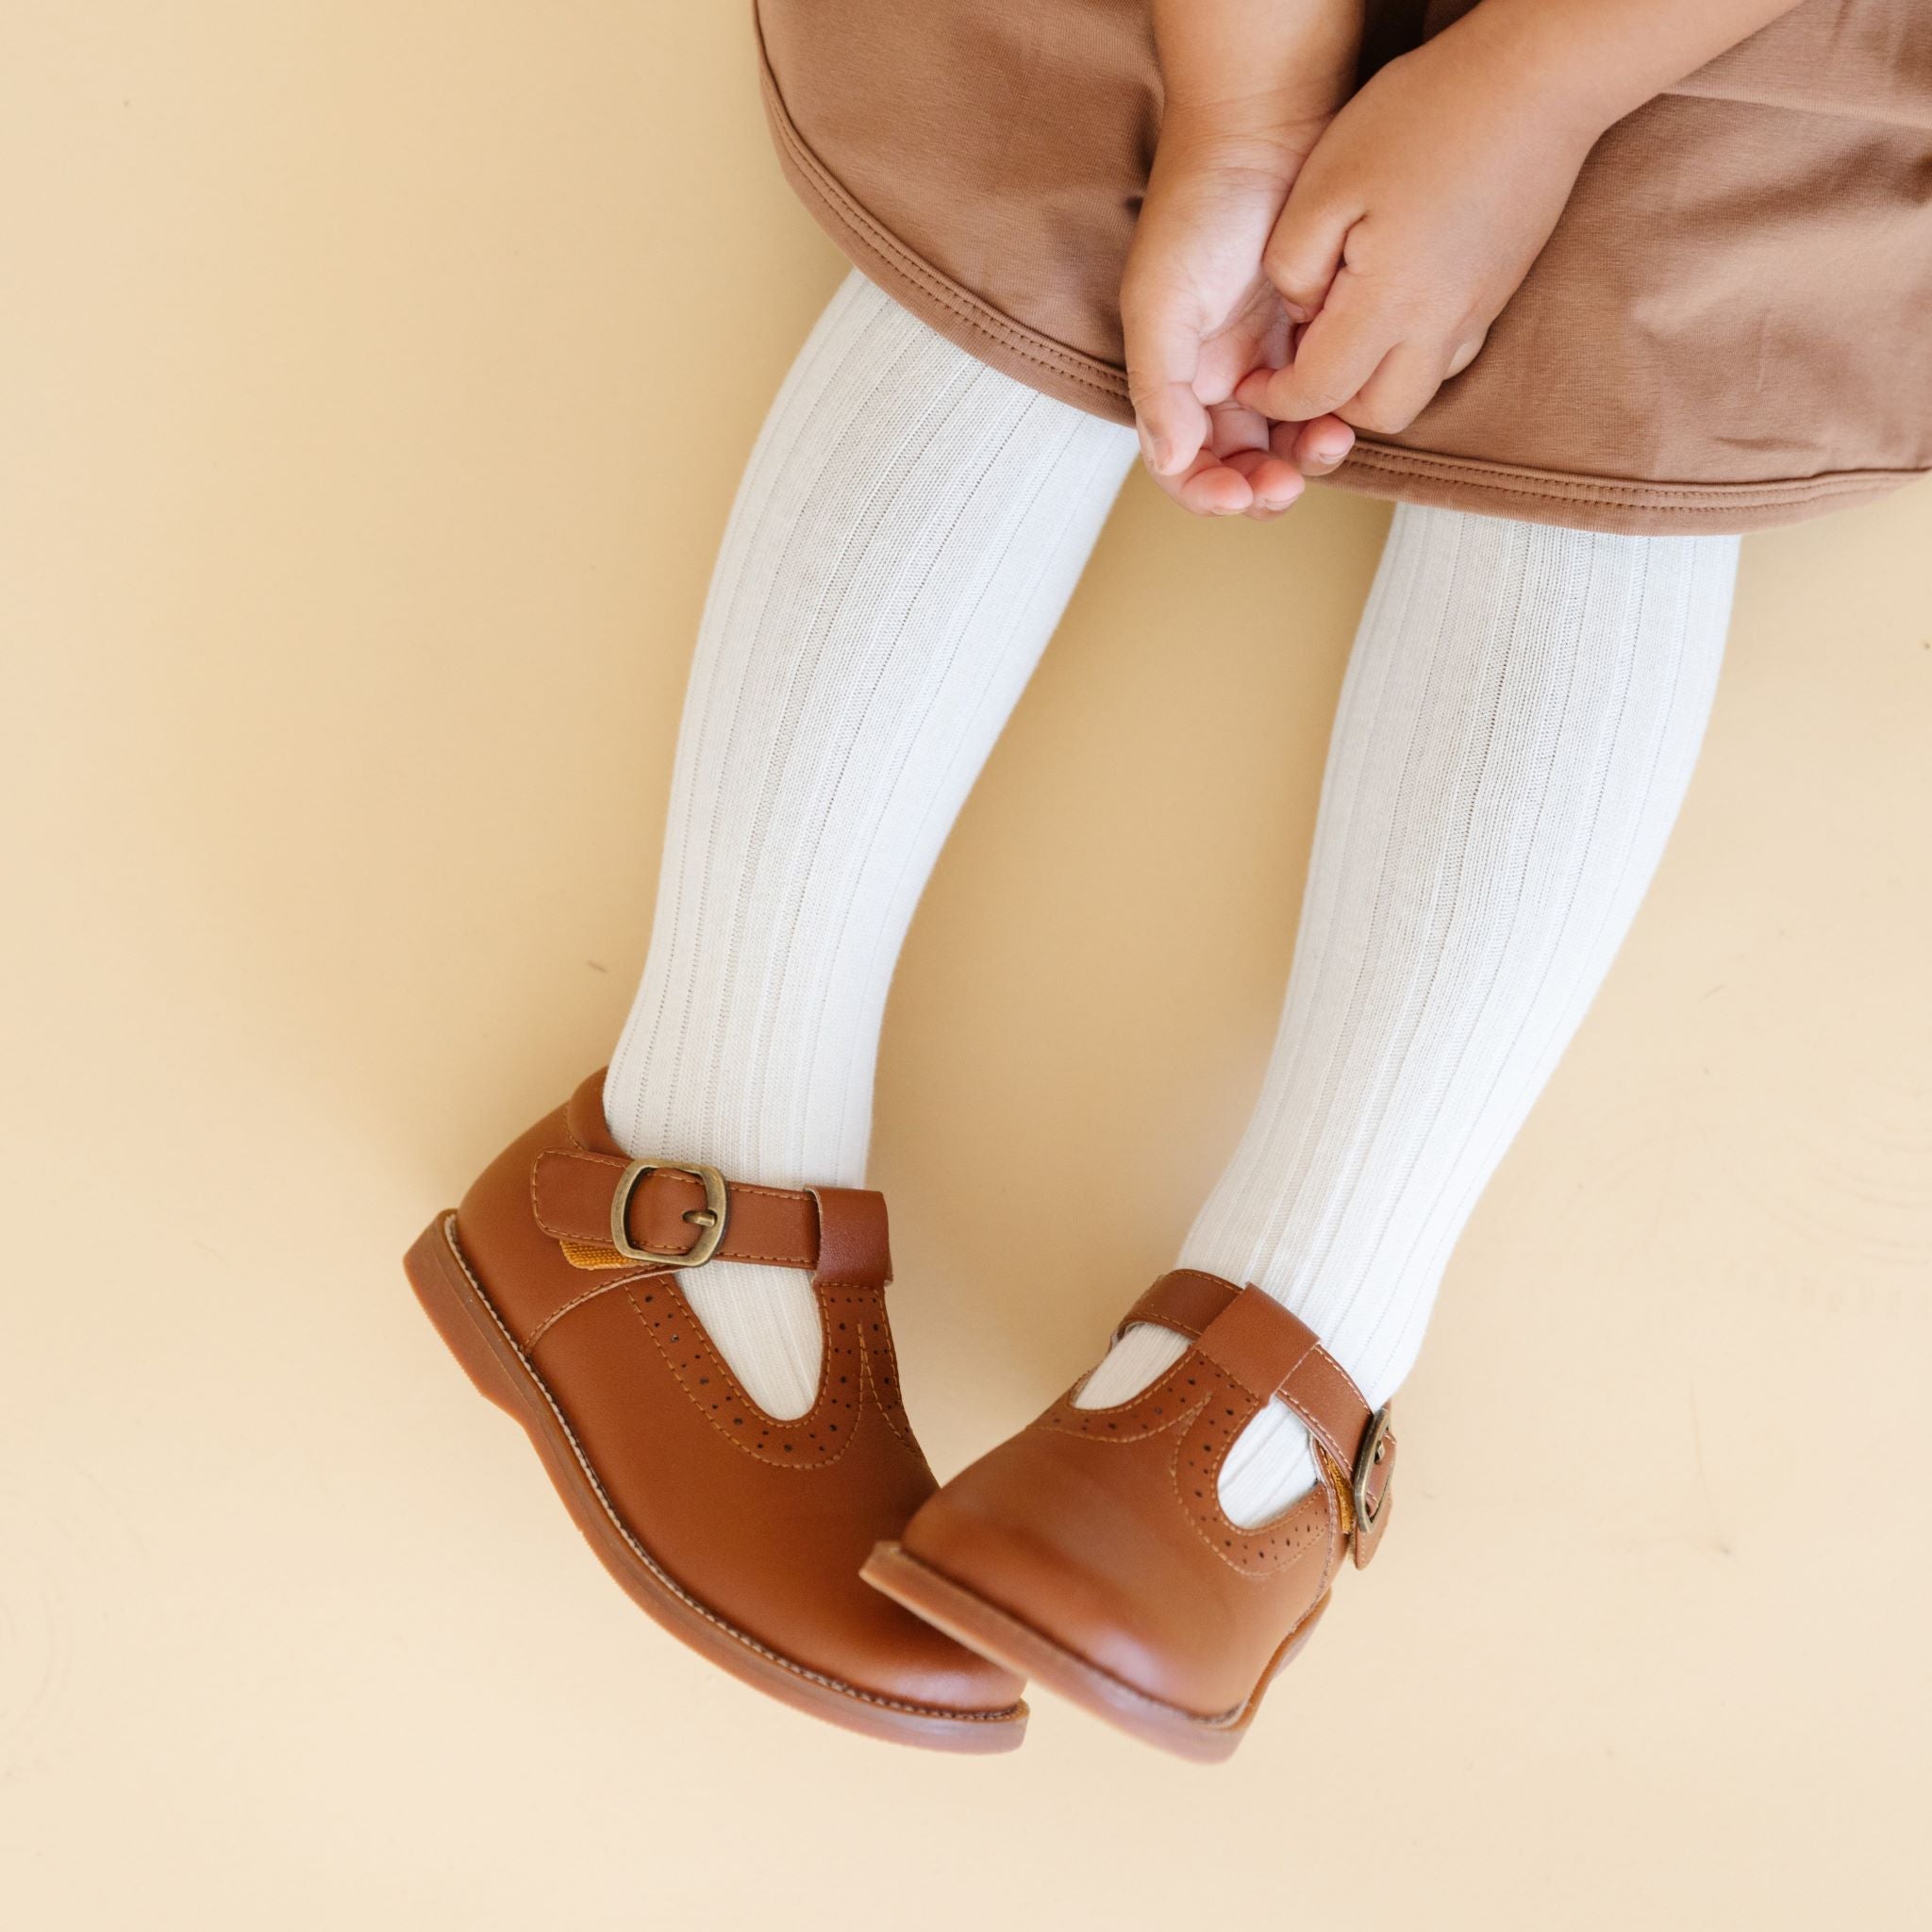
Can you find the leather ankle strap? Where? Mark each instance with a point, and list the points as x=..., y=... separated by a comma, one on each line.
x=837, y=1233
x=1274, y=1354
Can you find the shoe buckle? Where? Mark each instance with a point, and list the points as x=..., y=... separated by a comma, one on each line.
x=1368, y=1459
x=709, y=1220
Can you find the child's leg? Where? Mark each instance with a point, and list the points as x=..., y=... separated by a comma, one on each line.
x=1517, y=728
x=907, y=534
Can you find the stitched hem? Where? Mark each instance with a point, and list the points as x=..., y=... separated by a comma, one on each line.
x=1372, y=469
x=941, y=303
x=1602, y=503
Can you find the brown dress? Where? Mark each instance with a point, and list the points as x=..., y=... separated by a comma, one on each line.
x=1730, y=328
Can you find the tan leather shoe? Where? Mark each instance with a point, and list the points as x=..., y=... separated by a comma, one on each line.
x=740, y=1533
x=1090, y=1552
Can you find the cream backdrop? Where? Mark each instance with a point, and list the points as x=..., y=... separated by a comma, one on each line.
x=375, y=382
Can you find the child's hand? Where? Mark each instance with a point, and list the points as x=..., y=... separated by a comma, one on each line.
x=1200, y=314
x=1250, y=85
x=1412, y=223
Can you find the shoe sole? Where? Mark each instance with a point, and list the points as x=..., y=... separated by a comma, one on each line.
x=475, y=1334
x=1002, y=1638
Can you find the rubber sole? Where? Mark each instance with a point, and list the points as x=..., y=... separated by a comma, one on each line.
x=454, y=1300
x=1002, y=1638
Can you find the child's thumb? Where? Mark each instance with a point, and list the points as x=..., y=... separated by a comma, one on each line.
x=1163, y=353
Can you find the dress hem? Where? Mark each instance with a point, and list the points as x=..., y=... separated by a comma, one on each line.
x=1388, y=471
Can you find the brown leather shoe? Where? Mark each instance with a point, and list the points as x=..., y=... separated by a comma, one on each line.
x=740, y=1533
x=1091, y=1553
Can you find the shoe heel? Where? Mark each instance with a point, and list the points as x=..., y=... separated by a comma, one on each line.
x=449, y=1301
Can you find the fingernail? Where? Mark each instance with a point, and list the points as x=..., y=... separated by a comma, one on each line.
x=1164, y=452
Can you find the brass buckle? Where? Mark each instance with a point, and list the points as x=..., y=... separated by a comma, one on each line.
x=1375, y=1447
x=709, y=1220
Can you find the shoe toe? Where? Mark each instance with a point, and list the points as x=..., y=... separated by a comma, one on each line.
x=1090, y=1575
x=899, y=1656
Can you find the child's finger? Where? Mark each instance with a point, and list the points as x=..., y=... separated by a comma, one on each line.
x=1336, y=354
x=1317, y=448
x=1208, y=487
x=1400, y=389
x=1211, y=489
x=1232, y=429
x=1261, y=337
x=1163, y=342
x=1305, y=252
x=1172, y=426
x=1243, y=441
x=1275, y=481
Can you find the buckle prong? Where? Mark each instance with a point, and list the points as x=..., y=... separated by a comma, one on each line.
x=709, y=1218
x=1368, y=1458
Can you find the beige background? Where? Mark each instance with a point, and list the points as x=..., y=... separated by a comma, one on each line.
x=375, y=381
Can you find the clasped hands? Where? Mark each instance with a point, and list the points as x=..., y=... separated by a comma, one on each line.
x=1307, y=268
